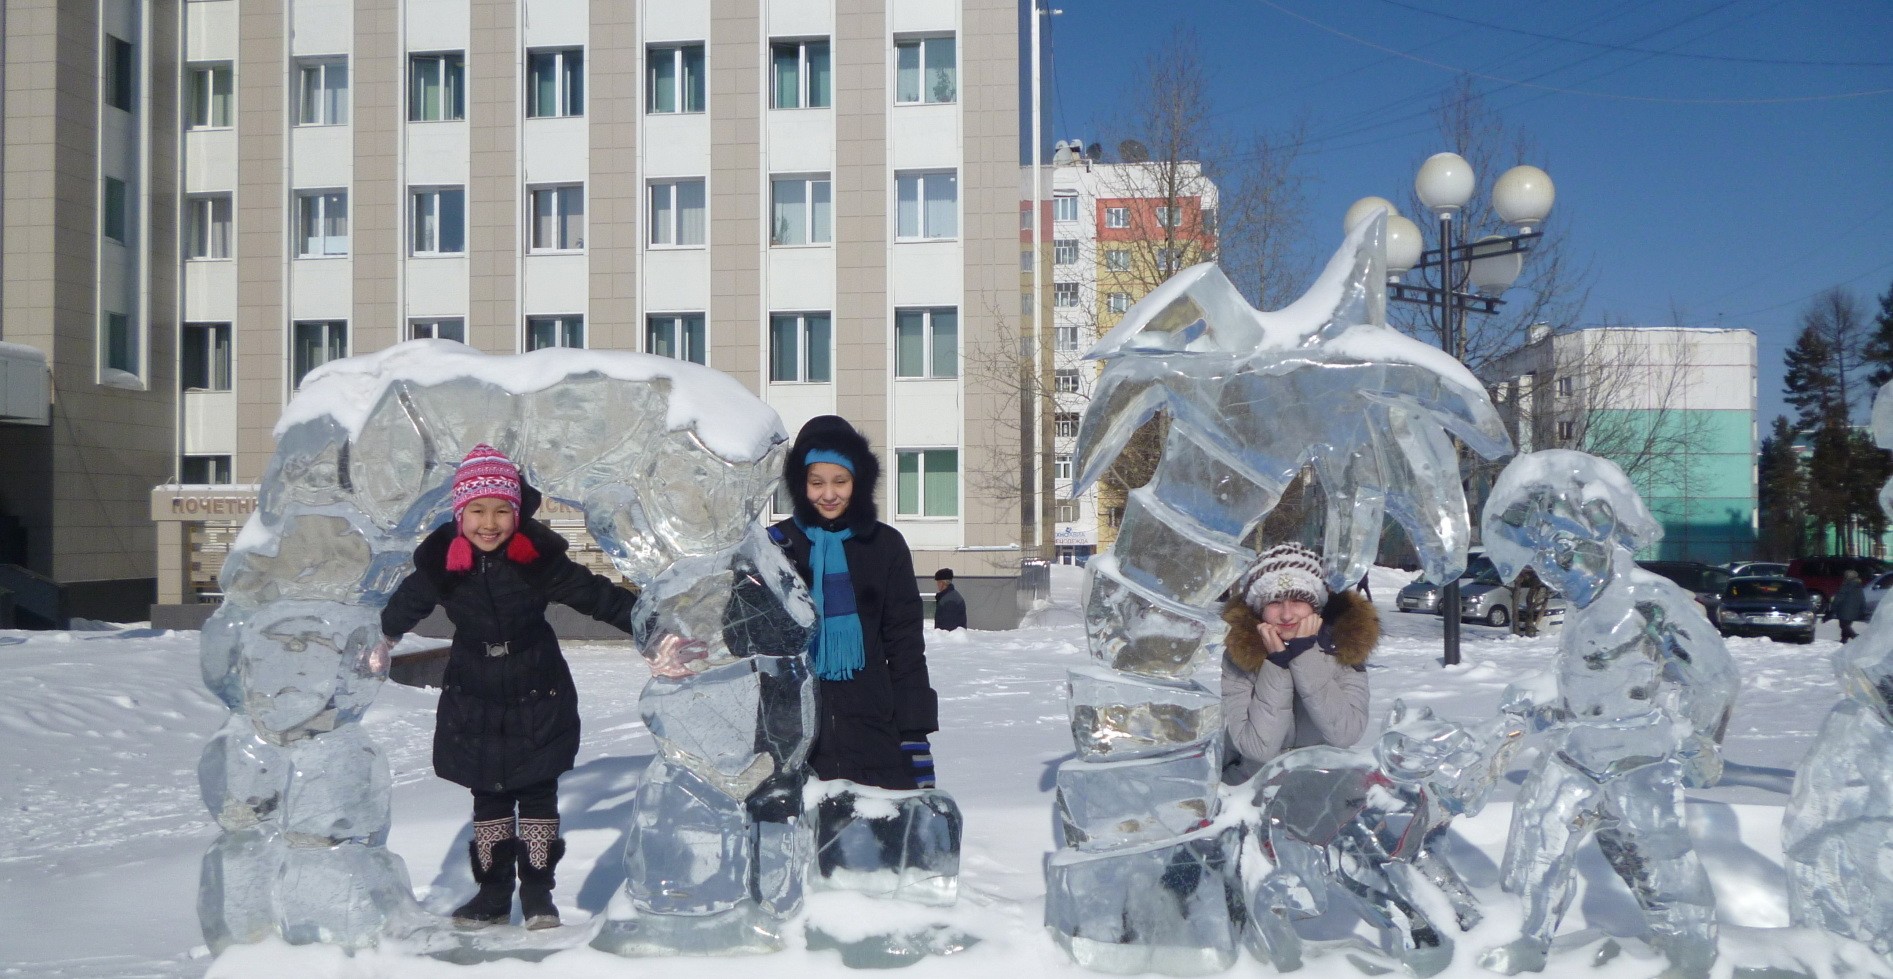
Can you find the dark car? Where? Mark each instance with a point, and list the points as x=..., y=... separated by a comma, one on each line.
x=1823, y=575
x=1758, y=569
x=1706, y=582
x=1779, y=608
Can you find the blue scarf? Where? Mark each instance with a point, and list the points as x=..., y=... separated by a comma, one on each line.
x=836, y=646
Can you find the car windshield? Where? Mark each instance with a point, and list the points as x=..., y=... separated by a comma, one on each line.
x=1767, y=588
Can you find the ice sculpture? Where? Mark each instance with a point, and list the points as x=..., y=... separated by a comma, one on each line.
x=1369, y=825
x=1252, y=399
x=1643, y=688
x=1838, y=828
x=671, y=463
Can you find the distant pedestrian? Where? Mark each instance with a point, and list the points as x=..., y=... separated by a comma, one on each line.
x=1366, y=592
x=1849, y=605
x=949, y=610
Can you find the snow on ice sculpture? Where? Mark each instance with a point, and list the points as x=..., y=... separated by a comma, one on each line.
x=1370, y=825
x=1643, y=691
x=671, y=463
x=1837, y=832
x=1253, y=397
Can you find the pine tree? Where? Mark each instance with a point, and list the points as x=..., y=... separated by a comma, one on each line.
x=1878, y=351
x=1783, y=491
x=1809, y=384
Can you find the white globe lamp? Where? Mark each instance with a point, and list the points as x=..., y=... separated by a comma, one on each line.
x=1404, y=245
x=1493, y=274
x=1359, y=210
x=1523, y=196
x=1444, y=183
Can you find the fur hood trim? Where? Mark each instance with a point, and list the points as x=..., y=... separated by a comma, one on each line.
x=1349, y=618
x=833, y=433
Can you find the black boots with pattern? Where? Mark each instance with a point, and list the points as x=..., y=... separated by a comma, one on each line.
x=493, y=858
x=540, y=850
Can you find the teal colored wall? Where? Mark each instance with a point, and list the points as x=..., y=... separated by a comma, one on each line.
x=1706, y=505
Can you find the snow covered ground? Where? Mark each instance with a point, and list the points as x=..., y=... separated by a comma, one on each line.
x=101, y=827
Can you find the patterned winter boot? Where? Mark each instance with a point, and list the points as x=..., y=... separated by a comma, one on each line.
x=540, y=850
x=492, y=852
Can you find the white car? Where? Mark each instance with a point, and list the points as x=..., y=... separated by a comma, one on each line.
x=1875, y=590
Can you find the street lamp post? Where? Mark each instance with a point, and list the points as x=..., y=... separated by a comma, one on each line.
x=1522, y=196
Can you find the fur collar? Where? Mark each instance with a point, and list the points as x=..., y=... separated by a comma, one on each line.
x=1348, y=617
x=834, y=434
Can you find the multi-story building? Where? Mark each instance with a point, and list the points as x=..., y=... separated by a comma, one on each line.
x=810, y=195
x=1118, y=230
x=1675, y=407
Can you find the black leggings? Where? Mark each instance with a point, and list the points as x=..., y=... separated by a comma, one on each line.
x=540, y=800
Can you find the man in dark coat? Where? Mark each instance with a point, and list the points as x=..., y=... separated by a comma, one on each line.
x=949, y=609
x=873, y=726
x=1850, y=604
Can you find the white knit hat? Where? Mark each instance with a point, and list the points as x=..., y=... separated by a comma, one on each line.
x=1284, y=572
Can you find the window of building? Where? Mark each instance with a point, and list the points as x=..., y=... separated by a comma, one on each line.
x=313, y=343
x=676, y=215
x=1061, y=467
x=800, y=347
x=209, y=101
x=558, y=217
x=801, y=75
x=678, y=335
x=1170, y=259
x=1117, y=259
x=927, y=482
x=1065, y=251
x=323, y=92
x=1169, y=217
x=1064, y=207
x=440, y=221
x=1065, y=425
x=1065, y=295
x=1567, y=386
x=555, y=331
x=927, y=342
x=1065, y=338
x=555, y=82
x=925, y=70
x=203, y=470
x=927, y=204
x=321, y=222
x=204, y=357
x=1026, y=308
x=676, y=79
x=1065, y=380
x=121, y=73
x=1025, y=260
x=1113, y=516
x=1119, y=302
x=1567, y=431
x=1117, y=217
x=207, y=226
x=1067, y=513
x=118, y=343
x=800, y=211
x=115, y=217
x=437, y=86
x=438, y=328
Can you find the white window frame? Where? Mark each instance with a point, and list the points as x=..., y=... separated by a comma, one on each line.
x=922, y=457
x=923, y=188
x=1117, y=217
x=931, y=337
x=118, y=73
x=1567, y=386
x=806, y=95
x=568, y=83
x=326, y=103
x=804, y=326
x=438, y=328
x=208, y=231
x=1169, y=216
x=219, y=469
x=1065, y=424
x=817, y=206
x=449, y=71
x=1064, y=251
x=664, y=213
x=331, y=331
x=685, y=83
x=565, y=328
x=1064, y=295
x=119, y=346
x=1065, y=380
x=1061, y=468
x=1117, y=260
x=563, y=205
x=1064, y=207
x=1065, y=339
x=427, y=228
x=209, y=86
x=320, y=207
x=916, y=58
x=1567, y=431
x=1118, y=302
x=213, y=341
x=675, y=327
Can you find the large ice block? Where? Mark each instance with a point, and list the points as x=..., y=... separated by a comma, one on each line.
x=1174, y=907
x=735, y=726
x=1116, y=716
x=902, y=844
x=687, y=851
x=300, y=667
x=745, y=929
x=340, y=790
x=236, y=894
x=241, y=776
x=1108, y=804
x=1136, y=630
x=349, y=895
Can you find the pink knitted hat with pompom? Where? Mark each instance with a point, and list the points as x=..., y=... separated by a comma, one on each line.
x=485, y=472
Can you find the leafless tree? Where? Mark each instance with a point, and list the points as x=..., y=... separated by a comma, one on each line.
x=1628, y=402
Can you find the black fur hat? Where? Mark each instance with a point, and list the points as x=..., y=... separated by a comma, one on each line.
x=832, y=432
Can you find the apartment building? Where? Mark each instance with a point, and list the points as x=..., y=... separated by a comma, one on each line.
x=814, y=196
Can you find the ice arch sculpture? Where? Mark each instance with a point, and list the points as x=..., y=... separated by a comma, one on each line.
x=671, y=463
x=1252, y=398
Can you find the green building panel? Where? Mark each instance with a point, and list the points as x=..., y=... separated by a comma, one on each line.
x=1706, y=503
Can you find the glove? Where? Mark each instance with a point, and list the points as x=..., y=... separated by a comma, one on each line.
x=920, y=759
x=1291, y=649
x=376, y=660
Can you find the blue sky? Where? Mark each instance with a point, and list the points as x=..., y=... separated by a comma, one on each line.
x=1710, y=156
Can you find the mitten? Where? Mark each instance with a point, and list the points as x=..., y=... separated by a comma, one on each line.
x=920, y=759
x=377, y=659
x=1290, y=649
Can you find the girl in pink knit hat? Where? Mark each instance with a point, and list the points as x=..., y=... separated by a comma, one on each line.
x=507, y=726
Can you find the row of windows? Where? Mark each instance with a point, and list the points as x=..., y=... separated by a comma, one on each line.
x=801, y=212
x=1065, y=295
x=1065, y=208
x=801, y=76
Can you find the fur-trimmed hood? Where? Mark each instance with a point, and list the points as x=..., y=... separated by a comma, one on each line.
x=832, y=432
x=1348, y=618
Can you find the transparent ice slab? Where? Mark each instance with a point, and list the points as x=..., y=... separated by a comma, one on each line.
x=348, y=895
x=236, y=894
x=1136, y=630
x=300, y=667
x=340, y=790
x=1116, y=716
x=745, y=929
x=241, y=776
x=899, y=844
x=1108, y=804
x=1173, y=907
x=736, y=726
x=687, y=851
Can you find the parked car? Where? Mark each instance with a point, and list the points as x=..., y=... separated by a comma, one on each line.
x=1757, y=569
x=1486, y=599
x=1777, y=607
x=1823, y=575
x=1421, y=595
x=1706, y=582
x=1876, y=590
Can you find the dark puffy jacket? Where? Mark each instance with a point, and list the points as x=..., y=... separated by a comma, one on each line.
x=863, y=720
x=1850, y=602
x=506, y=719
x=949, y=610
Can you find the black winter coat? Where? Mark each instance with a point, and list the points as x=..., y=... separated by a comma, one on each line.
x=949, y=610
x=862, y=721
x=507, y=719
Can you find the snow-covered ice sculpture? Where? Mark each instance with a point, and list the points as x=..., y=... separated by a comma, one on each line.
x=671, y=463
x=1252, y=399
x=1370, y=825
x=1643, y=688
x=1837, y=833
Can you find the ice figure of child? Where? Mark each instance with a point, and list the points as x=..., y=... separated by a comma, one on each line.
x=1643, y=691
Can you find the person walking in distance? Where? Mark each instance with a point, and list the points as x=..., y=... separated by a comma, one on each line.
x=949, y=609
